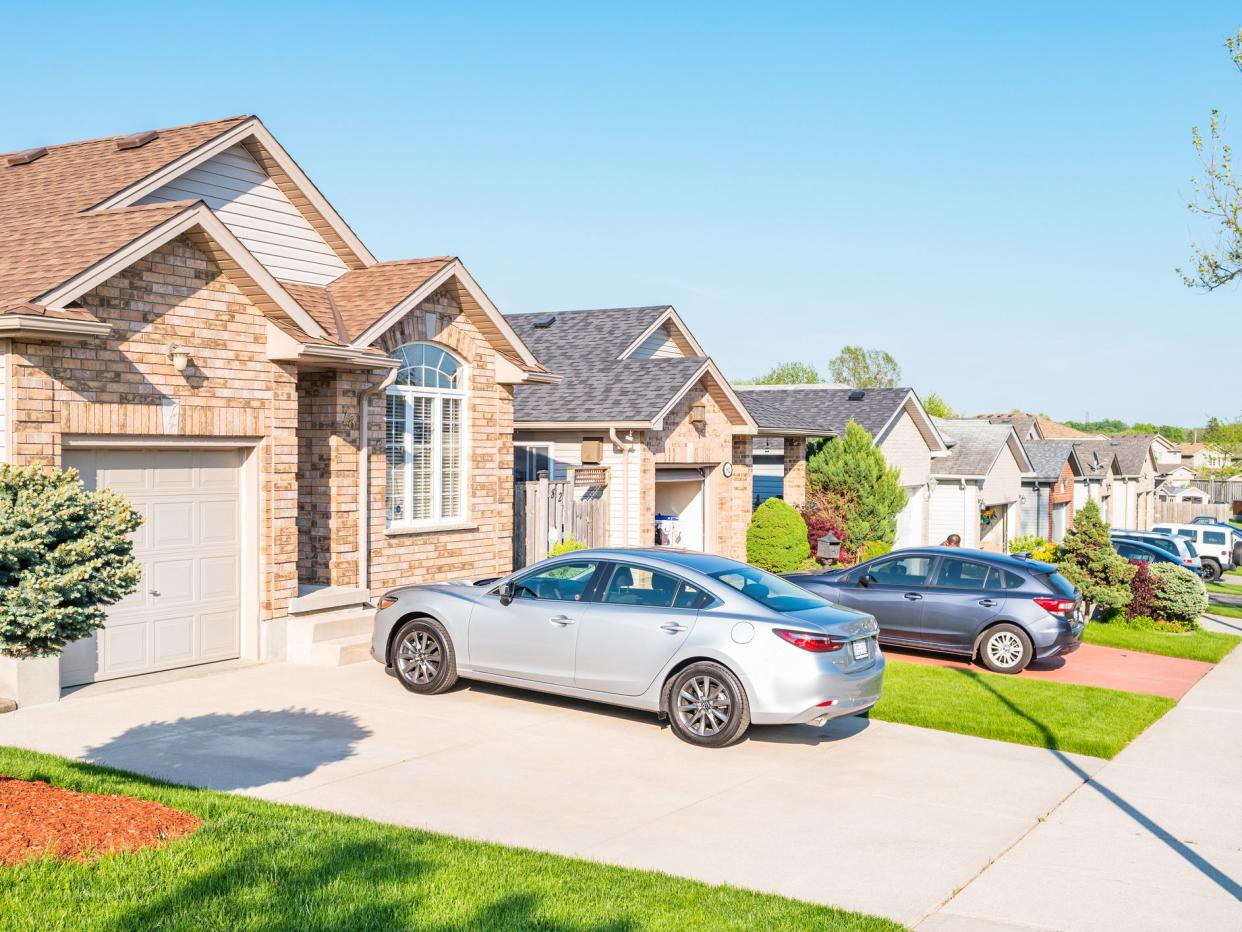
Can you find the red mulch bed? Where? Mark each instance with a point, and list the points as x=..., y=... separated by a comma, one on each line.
x=38, y=819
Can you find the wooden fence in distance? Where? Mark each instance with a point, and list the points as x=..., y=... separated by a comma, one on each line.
x=1186, y=512
x=546, y=512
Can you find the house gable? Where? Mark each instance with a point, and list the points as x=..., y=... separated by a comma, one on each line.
x=244, y=196
x=667, y=337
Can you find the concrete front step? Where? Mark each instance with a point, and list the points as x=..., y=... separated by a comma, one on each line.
x=339, y=652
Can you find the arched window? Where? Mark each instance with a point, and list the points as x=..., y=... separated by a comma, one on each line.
x=425, y=438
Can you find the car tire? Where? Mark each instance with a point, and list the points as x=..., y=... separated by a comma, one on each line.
x=423, y=657
x=1210, y=570
x=698, y=696
x=1005, y=649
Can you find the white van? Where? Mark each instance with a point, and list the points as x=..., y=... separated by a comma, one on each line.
x=1215, y=545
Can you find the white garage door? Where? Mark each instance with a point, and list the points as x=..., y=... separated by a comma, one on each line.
x=188, y=606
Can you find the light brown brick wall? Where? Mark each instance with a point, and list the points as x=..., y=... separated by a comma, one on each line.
x=1062, y=493
x=114, y=385
x=484, y=548
x=795, y=471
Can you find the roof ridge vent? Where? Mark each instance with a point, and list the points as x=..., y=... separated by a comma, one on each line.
x=857, y=395
x=136, y=140
x=543, y=321
x=26, y=156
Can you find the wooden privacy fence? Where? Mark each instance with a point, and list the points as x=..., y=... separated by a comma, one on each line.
x=1186, y=512
x=546, y=512
x=1221, y=491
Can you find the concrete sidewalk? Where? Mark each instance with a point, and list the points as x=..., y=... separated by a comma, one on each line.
x=872, y=816
x=1154, y=841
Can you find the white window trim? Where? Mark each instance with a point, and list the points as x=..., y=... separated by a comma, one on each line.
x=544, y=445
x=437, y=520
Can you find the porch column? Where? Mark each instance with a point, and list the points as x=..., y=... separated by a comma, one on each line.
x=795, y=471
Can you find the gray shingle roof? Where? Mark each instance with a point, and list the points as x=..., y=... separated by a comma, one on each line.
x=1131, y=450
x=820, y=409
x=1048, y=457
x=582, y=348
x=1089, y=449
x=978, y=443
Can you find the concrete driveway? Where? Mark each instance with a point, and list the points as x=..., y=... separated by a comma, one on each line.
x=872, y=816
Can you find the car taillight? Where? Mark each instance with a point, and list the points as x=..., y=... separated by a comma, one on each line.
x=809, y=640
x=1056, y=606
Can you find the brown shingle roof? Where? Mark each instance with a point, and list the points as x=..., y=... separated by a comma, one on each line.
x=45, y=235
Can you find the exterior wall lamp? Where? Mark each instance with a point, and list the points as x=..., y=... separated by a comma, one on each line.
x=179, y=355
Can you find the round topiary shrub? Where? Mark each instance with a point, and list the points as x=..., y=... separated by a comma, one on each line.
x=776, y=540
x=65, y=553
x=1180, y=595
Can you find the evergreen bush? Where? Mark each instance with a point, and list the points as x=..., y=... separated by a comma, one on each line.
x=1088, y=560
x=776, y=540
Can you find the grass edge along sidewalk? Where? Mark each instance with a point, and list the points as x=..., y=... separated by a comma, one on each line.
x=1209, y=646
x=257, y=865
x=1041, y=713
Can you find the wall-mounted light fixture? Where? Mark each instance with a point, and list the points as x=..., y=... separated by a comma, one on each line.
x=179, y=355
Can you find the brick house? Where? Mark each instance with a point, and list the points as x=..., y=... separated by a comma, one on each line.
x=1048, y=493
x=894, y=417
x=186, y=319
x=642, y=406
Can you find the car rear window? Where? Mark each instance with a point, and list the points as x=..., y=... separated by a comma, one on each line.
x=770, y=591
x=1059, y=584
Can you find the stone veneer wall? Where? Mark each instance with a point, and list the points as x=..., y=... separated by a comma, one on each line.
x=114, y=385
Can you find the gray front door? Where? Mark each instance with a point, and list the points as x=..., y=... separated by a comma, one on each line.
x=628, y=636
x=535, y=636
x=964, y=597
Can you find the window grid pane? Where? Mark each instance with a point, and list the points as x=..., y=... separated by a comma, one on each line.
x=422, y=429
x=394, y=457
x=450, y=457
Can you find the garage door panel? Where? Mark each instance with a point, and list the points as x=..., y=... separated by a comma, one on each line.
x=173, y=640
x=218, y=634
x=173, y=581
x=217, y=471
x=137, y=600
x=171, y=524
x=123, y=649
x=217, y=522
x=127, y=471
x=218, y=578
x=172, y=471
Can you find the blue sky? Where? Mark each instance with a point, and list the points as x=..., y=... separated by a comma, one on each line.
x=995, y=196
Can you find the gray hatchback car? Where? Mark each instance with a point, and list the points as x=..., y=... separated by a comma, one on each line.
x=1008, y=610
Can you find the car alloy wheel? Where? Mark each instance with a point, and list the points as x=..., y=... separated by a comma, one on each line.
x=419, y=657
x=423, y=657
x=706, y=705
x=1005, y=649
x=703, y=706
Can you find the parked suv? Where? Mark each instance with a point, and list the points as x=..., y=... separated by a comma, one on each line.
x=1176, y=546
x=1008, y=610
x=1231, y=528
x=1215, y=546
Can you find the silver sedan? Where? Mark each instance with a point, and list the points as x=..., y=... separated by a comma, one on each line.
x=708, y=643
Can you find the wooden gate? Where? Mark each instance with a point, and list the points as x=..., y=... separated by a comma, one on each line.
x=546, y=512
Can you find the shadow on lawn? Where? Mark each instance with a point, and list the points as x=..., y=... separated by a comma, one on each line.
x=358, y=884
x=1202, y=865
x=234, y=751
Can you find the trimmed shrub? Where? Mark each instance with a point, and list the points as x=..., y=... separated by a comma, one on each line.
x=852, y=470
x=65, y=553
x=1036, y=546
x=1142, y=591
x=776, y=539
x=872, y=549
x=568, y=545
x=1180, y=595
x=1088, y=560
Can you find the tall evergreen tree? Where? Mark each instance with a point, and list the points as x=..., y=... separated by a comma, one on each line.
x=852, y=470
x=1088, y=560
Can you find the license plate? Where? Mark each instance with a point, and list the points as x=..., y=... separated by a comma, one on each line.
x=860, y=650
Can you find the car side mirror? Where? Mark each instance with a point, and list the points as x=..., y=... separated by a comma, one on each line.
x=506, y=593
x=865, y=580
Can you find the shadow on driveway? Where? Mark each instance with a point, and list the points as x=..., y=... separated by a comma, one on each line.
x=1201, y=864
x=234, y=752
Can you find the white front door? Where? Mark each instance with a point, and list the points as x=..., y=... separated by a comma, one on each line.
x=187, y=608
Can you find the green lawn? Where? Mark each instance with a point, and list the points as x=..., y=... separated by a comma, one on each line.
x=1225, y=611
x=1228, y=588
x=263, y=866
x=1064, y=716
x=1211, y=646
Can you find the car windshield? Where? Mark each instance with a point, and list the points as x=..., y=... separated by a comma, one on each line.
x=775, y=593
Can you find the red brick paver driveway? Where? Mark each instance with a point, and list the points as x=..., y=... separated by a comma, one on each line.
x=1093, y=665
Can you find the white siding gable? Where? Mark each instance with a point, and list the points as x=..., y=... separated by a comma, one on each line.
x=250, y=204
x=659, y=345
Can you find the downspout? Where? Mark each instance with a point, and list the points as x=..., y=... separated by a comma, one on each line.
x=364, y=482
x=625, y=465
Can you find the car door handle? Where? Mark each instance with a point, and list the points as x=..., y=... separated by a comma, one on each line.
x=672, y=627
x=988, y=603
x=561, y=620
x=912, y=596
